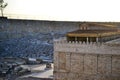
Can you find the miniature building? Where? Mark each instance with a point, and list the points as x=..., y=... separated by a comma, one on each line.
x=88, y=54
x=86, y=34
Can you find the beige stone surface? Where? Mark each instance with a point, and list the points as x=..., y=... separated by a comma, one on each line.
x=104, y=64
x=90, y=64
x=68, y=62
x=56, y=58
x=62, y=61
x=77, y=63
x=95, y=62
x=115, y=64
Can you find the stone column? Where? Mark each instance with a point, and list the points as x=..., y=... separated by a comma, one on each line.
x=87, y=39
x=75, y=38
x=97, y=39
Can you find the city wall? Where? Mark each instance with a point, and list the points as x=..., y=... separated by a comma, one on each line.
x=86, y=61
x=77, y=66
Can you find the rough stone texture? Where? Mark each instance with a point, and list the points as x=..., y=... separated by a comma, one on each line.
x=56, y=58
x=84, y=66
x=68, y=62
x=77, y=59
x=90, y=64
x=115, y=64
x=62, y=61
x=104, y=64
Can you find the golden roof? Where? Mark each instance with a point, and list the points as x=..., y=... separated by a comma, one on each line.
x=92, y=33
x=103, y=25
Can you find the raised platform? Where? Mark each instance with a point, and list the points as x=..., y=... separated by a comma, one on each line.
x=86, y=61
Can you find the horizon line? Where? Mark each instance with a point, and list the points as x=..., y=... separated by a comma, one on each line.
x=43, y=18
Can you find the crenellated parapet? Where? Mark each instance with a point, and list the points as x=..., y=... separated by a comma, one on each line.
x=62, y=45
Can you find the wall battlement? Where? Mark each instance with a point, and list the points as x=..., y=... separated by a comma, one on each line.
x=91, y=47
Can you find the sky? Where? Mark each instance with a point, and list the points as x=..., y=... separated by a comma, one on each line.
x=64, y=10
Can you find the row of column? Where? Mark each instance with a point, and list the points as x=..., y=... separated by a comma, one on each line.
x=87, y=39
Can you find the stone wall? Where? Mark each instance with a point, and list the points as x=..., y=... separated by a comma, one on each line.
x=86, y=61
x=62, y=45
x=81, y=66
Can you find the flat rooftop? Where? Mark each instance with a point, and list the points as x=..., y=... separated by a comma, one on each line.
x=114, y=42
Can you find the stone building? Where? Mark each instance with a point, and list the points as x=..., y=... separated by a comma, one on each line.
x=90, y=53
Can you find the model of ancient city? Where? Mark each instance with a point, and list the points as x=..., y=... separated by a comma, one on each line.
x=59, y=50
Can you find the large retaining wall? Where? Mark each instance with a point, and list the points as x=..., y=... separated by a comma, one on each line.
x=77, y=66
x=86, y=61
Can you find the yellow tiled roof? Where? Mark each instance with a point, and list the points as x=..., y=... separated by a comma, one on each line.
x=92, y=33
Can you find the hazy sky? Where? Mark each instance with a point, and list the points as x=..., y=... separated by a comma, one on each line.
x=71, y=10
